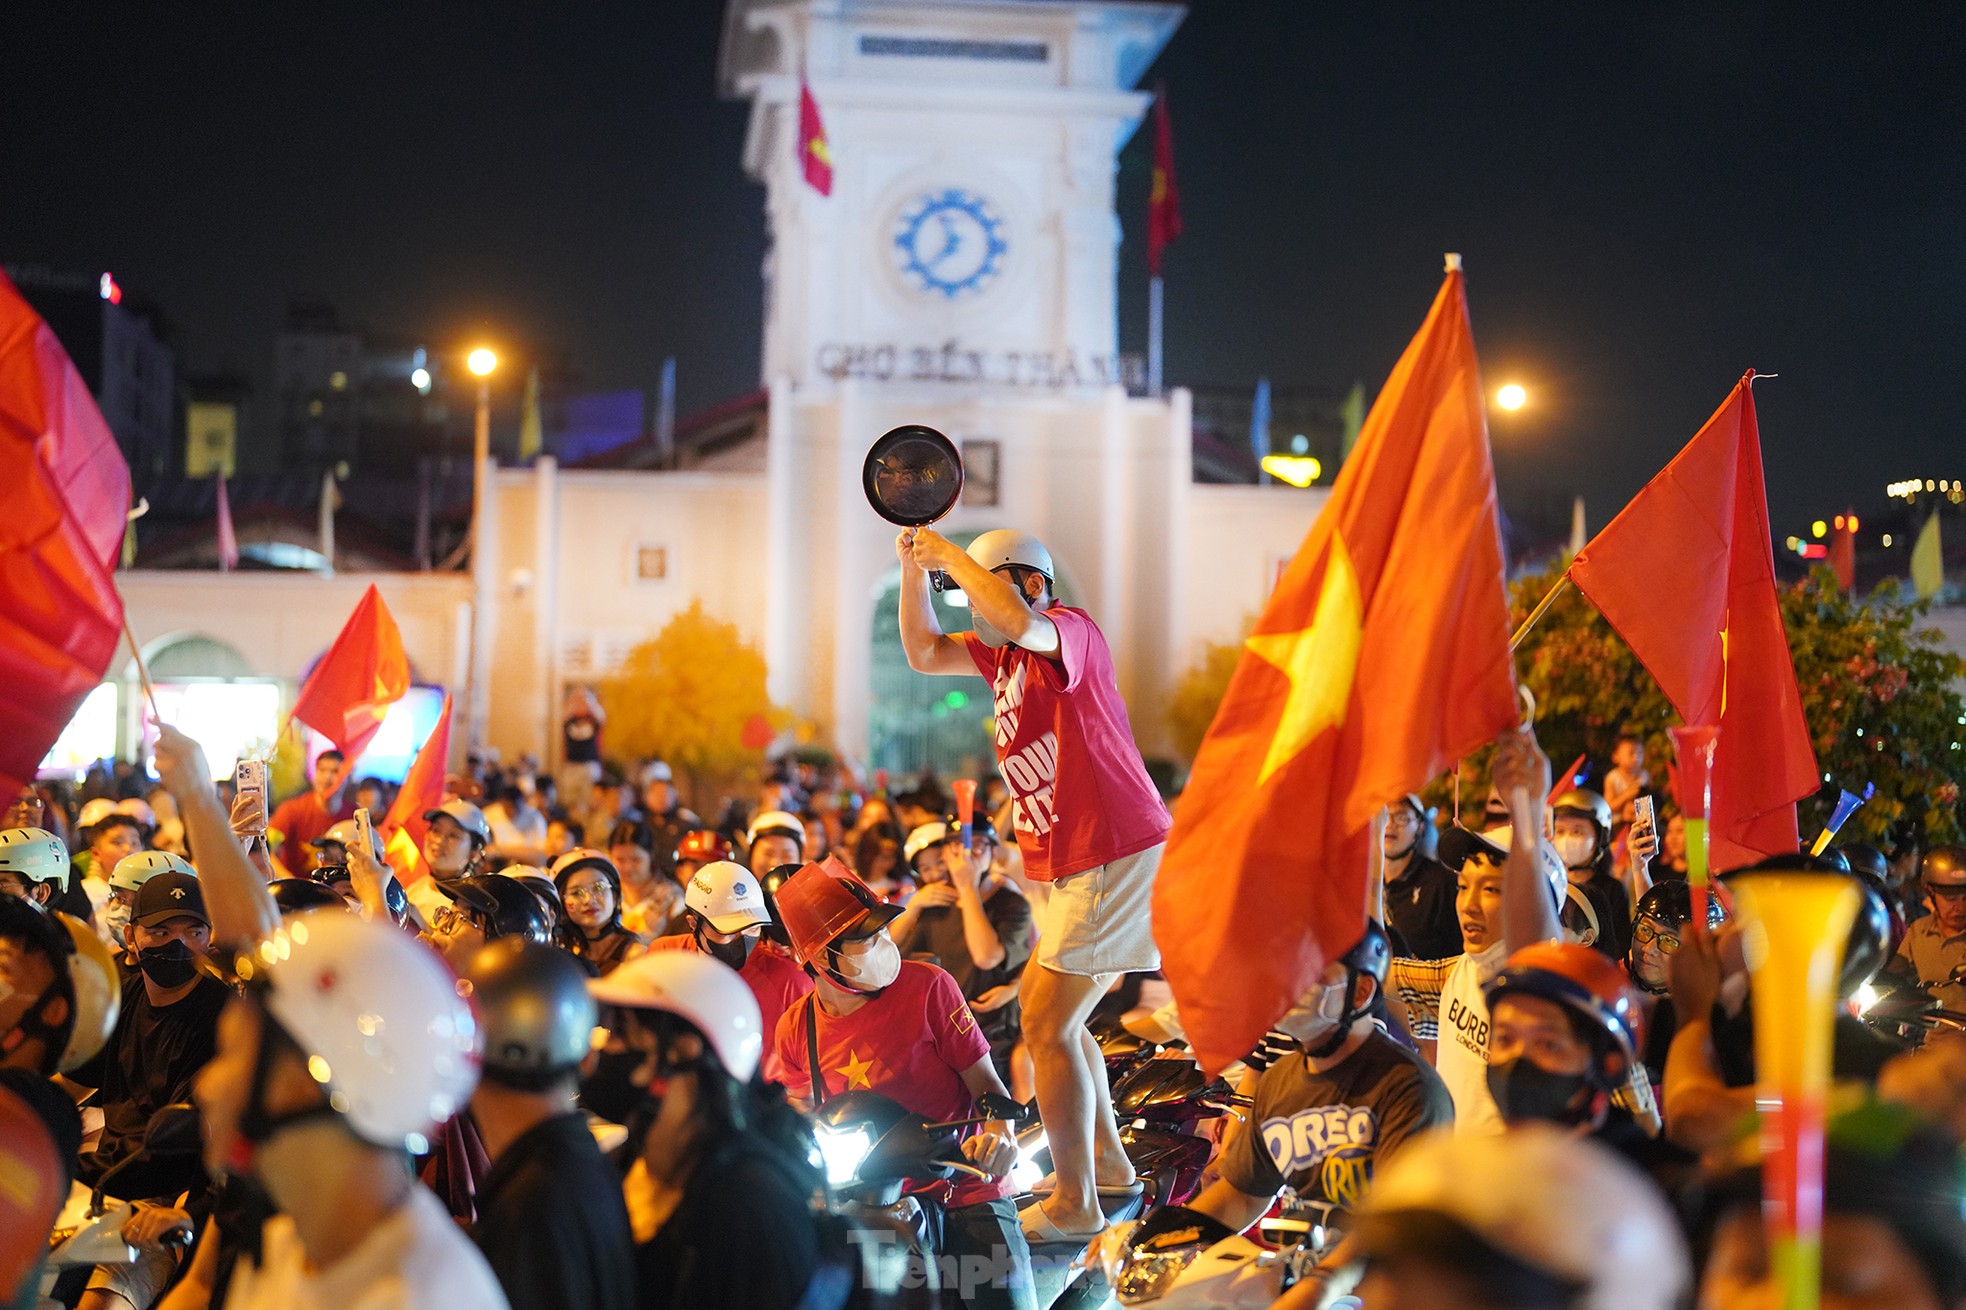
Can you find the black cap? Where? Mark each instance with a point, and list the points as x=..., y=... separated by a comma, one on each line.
x=170, y=896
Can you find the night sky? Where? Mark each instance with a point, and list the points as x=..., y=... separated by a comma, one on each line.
x=1651, y=200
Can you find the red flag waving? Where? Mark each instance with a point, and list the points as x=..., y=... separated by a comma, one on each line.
x=1380, y=659
x=63, y=499
x=1164, y=203
x=353, y=686
x=1686, y=574
x=815, y=155
x=422, y=791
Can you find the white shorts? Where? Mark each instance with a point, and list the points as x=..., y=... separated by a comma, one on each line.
x=1100, y=921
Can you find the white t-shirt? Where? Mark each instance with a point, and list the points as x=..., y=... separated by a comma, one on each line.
x=1461, y=1057
x=416, y=1258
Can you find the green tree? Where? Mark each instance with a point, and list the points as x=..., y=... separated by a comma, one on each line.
x=695, y=695
x=1198, y=694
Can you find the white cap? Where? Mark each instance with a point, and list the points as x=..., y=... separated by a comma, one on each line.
x=727, y=896
x=95, y=812
x=468, y=816
x=139, y=810
x=344, y=832
x=706, y=992
x=656, y=771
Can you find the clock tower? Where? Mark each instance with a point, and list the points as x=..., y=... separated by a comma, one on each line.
x=962, y=273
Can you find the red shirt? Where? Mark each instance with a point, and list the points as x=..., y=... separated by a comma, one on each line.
x=910, y=1044
x=1081, y=796
x=772, y=977
x=300, y=819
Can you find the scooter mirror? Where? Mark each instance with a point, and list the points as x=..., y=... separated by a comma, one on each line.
x=1003, y=1107
x=174, y=1130
x=913, y=476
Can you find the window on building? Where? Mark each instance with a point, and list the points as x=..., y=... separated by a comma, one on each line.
x=981, y=460
x=651, y=563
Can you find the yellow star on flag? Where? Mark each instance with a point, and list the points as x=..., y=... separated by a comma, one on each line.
x=1319, y=660
x=856, y=1070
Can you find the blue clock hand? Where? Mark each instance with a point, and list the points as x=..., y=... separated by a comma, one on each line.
x=950, y=240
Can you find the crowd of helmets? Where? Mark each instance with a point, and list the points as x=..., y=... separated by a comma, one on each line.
x=548, y=892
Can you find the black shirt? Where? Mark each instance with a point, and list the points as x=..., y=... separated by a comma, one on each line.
x=939, y=932
x=1420, y=905
x=1322, y=1132
x=552, y=1224
x=147, y=1064
x=742, y=1237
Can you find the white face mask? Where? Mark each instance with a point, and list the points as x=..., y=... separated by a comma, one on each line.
x=1576, y=851
x=1316, y=1014
x=871, y=965
x=986, y=634
x=116, y=917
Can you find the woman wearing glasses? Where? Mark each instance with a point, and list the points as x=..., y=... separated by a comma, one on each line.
x=590, y=887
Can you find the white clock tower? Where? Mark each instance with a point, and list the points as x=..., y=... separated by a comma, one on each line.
x=962, y=273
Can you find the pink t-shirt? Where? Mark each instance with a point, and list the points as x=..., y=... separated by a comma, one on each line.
x=773, y=978
x=910, y=1044
x=1065, y=749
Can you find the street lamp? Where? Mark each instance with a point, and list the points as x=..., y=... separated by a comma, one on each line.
x=1511, y=396
x=481, y=362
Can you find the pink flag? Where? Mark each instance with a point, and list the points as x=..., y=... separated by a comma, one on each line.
x=228, y=545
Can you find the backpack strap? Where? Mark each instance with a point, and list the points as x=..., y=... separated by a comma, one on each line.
x=812, y=1050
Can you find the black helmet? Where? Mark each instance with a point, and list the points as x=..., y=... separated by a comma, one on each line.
x=294, y=895
x=1671, y=901
x=533, y=1004
x=393, y=895
x=506, y=906
x=1371, y=956
x=1833, y=857
x=1865, y=858
x=1870, y=944
x=769, y=885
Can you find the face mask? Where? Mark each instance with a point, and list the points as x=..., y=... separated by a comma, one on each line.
x=734, y=953
x=986, y=634
x=1525, y=1090
x=169, y=965
x=873, y=967
x=611, y=1090
x=1576, y=851
x=1314, y=1017
x=116, y=917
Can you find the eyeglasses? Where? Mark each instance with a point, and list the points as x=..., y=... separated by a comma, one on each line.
x=1647, y=931
x=451, y=919
x=599, y=895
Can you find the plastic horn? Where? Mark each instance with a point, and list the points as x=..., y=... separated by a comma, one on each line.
x=1846, y=805
x=1794, y=929
x=1694, y=744
x=965, y=789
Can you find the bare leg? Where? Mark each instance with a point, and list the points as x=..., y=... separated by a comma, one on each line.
x=1110, y=1165
x=1023, y=1082
x=1070, y=1095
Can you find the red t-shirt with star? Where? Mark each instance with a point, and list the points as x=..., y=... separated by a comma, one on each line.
x=1080, y=795
x=910, y=1044
x=772, y=977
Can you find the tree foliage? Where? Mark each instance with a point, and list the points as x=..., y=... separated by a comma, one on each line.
x=693, y=695
x=1198, y=694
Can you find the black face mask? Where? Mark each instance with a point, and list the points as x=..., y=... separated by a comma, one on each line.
x=611, y=1090
x=1525, y=1090
x=171, y=965
x=734, y=953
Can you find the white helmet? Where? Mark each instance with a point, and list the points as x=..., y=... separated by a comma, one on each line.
x=34, y=854
x=1005, y=546
x=95, y=812
x=706, y=992
x=347, y=832
x=378, y=1016
x=133, y=871
x=727, y=896
x=927, y=835
x=776, y=823
x=139, y=810
x=467, y=816
x=1554, y=1201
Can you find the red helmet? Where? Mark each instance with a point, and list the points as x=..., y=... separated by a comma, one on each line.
x=704, y=846
x=821, y=902
x=1591, y=987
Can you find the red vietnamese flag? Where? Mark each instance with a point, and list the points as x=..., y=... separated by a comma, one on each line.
x=815, y=155
x=423, y=790
x=1686, y=574
x=1164, y=202
x=64, y=495
x=353, y=686
x=1381, y=658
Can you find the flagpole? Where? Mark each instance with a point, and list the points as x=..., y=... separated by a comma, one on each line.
x=143, y=674
x=1542, y=608
x=1155, y=310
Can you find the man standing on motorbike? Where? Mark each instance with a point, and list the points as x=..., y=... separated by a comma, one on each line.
x=902, y=1030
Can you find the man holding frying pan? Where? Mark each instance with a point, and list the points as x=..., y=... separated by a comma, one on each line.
x=1087, y=819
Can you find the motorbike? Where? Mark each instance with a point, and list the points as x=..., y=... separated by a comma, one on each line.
x=1906, y=1012
x=872, y=1150
x=89, y=1229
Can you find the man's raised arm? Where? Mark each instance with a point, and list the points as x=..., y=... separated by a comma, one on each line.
x=236, y=897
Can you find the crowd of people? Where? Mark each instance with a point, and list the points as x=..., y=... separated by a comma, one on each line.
x=571, y=1053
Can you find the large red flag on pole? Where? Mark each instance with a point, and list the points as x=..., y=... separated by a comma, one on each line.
x=64, y=497
x=353, y=686
x=1686, y=574
x=403, y=829
x=1164, y=201
x=1381, y=658
x=815, y=154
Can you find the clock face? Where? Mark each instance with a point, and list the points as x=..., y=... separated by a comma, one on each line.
x=949, y=243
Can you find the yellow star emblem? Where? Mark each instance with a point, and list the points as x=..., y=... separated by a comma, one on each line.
x=855, y=1071
x=1319, y=660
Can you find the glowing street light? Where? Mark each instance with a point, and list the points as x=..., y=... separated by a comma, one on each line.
x=1511, y=396
x=481, y=362
x=1819, y=528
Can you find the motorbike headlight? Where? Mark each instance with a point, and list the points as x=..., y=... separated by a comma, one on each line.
x=843, y=1150
x=1865, y=997
x=1147, y=1275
